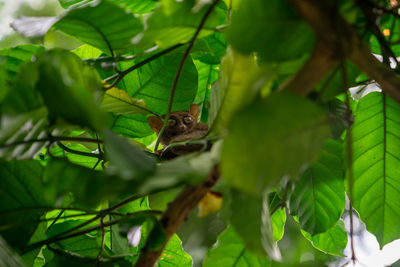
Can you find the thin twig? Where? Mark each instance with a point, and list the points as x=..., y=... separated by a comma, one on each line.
x=55, y=220
x=81, y=153
x=100, y=214
x=179, y=71
x=119, y=76
x=52, y=139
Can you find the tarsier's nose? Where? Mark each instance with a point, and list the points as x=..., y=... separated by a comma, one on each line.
x=182, y=127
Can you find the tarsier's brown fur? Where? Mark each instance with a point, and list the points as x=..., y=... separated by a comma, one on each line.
x=182, y=126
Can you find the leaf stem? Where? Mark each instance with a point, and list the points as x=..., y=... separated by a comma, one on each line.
x=86, y=154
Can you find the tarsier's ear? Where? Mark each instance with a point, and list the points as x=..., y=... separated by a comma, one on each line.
x=194, y=111
x=155, y=123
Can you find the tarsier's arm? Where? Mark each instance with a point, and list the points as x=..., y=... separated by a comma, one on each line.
x=200, y=131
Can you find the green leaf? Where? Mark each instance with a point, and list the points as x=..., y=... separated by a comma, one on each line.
x=137, y=6
x=133, y=6
x=82, y=245
x=133, y=126
x=252, y=222
x=188, y=169
x=174, y=255
x=240, y=79
x=270, y=28
x=153, y=81
x=271, y=138
x=215, y=49
x=229, y=250
x=332, y=242
x=128, y=161
x=64, y=259
x=119, y=102
x=332, y=85
x=102, y=24
x=278, y=219
x=68, y=3
x=21, y=200
x=67, y=87
x=22, y=96
x=176, y=22
x=87, y=51
x=318, y=198
x=15, y=56
x=83, y=160
x=19, y=129
x=208, y=74
x=62, y=177
x=376, y=165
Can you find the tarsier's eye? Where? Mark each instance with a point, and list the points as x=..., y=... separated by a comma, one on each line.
x=187, y=119
x=171, y=122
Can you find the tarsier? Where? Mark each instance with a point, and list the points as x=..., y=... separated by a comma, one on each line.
x=182, y=126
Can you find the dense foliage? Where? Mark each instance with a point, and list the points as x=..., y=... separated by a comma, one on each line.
x=80, y=178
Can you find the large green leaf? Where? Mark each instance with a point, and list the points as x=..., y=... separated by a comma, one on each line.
x=137, y=6
x=68, y=87
x=15, y=56
x=102, y=24
x=240, y=79
x=81, y=245
x=189, y=169
x=271, y=138
x=153, y=81
x=133, y=126
x=333, y=241
x=21, y=200
x=126, y=160
x=176, y=22
x=229, y=251
x=376, y=165
x=134, y=6
x=119, y=102
x=22, y=96
x=87, y=51
x=174, y=255
x=270, y=28
x=251, y=220
x=19, y=129
x=89, y=187
x=208, y=74
x=318, y=198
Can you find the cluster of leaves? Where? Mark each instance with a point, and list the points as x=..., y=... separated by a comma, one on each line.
x=76, y=151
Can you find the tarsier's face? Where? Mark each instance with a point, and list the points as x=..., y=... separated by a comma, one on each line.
x=182, y=125
x=180, y=122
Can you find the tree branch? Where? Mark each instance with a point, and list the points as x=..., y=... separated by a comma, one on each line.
x=340, y=41
x=316, y=68
x=177, y=212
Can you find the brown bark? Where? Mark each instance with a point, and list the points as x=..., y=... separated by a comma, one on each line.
x=340, y=41
x=177, y=212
